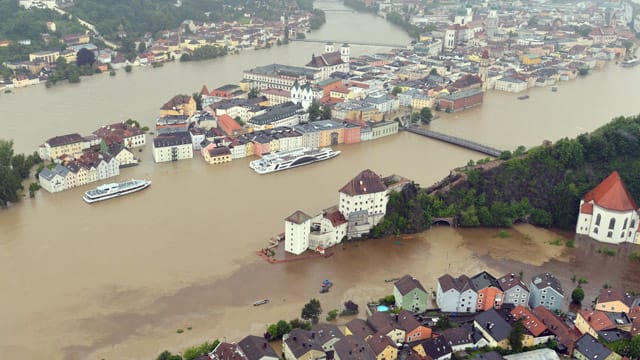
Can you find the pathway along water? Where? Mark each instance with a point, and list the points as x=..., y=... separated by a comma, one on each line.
x=118, y=278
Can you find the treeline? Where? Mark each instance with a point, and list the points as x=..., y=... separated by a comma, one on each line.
x=22, y=24
x=318, y=19
x=361, y=6
x=204, y=53
x=68, y=71
x=190, y=353
x=406, y=25
x=542, y=186
x=14, y=168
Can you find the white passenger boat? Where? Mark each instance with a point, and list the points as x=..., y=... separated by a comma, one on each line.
x=283, y=160
x=108, y=191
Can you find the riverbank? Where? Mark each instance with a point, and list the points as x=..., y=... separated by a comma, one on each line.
x=444, y=249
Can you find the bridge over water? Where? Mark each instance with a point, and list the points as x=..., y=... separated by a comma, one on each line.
x=467, y=144
x=362, y=43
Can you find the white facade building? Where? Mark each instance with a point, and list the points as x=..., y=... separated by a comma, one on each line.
x=511, y=84
x=608, y=213
x=456, y=294
x=172, y=147
x=363, y=202
x=296, y=235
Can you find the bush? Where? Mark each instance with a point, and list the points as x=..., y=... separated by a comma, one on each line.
x=332, y=315
x=387, y=300
x=570, y=243
x=577, y=295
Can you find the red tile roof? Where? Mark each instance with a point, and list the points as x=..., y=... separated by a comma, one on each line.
x=564, y=334
x=228, y=124
x=586, y=208
x=612, y=194
x=530, y=322
x=334, y=215
x=598, y=320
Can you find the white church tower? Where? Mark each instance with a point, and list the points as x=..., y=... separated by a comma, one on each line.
x=345, y=53
x=328, y=48
x=302, y=95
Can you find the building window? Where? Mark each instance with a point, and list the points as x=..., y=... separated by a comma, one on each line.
x=609, y=234
x=625, y=224
x=598, y=220
x=595, y=230
x=612, y=223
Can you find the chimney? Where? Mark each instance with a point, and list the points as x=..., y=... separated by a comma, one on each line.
x=264, y=346
x=313, y=335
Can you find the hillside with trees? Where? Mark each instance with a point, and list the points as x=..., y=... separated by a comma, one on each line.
x=543, y=185
x=14, y=168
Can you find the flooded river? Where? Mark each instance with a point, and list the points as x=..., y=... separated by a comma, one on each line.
x=115, y=280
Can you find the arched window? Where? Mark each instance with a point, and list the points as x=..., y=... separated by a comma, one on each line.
x=598, y=219
x=612, y=223
x=633, y=223
x=625, y=224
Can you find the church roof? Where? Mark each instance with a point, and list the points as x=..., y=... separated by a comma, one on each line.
x=611, y=194
x=327, y=59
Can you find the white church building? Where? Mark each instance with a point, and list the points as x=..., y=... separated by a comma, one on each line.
x=302, y=94
x=362, y=205
x=608, y=213
x=331, y=61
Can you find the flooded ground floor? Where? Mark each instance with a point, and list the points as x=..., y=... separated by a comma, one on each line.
x=222, y=308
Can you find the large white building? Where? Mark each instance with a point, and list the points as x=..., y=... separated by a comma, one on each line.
x=331, y=61
x=172, y=147
x=363, y=202
x=608, y=213
x=297, y=228
x=87, y=168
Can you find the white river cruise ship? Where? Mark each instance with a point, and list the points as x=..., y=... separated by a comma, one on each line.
x=283, y=160
x=108, y=191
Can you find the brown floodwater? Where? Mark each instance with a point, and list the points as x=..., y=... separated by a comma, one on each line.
x=116, y=279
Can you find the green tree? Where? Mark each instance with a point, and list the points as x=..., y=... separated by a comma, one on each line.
x=299, y=324
x=85, y=57
x=128, y=68
x=634, y=347
x=142, y=47
x=396, y=90
x=197, y=97
x=166, y=355
x=283, y=327
x=315, y=112
x=516, y=335
x=577, y=295
x=326, y=112
x=426, y=116
x=253, y=93
x=311, y=311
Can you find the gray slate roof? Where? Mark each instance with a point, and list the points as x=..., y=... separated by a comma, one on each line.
x=545, y=280
x=494, y=324
x=407, y=283
x=588, y=346
x=255, y=348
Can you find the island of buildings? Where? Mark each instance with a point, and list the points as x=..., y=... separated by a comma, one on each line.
x=461, y=322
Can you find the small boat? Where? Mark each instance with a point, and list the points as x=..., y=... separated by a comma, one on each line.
x=630, y=63
x=554, y=88
x=523, y=97
x=391, y=280
x=261, y=302
x=326, y=285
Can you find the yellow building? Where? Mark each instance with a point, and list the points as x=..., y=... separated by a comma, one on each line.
x=614, y=300
x=274, y=145
x=179, y=105
x=46, y=56
x=219, y=155
x=593, y=321
x=331, y=135
x=383, y=348
x=420, y=102
x=55, y=147
x=530, y=59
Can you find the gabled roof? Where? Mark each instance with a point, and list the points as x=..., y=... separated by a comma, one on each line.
x=511, y=280
x=255, y=348
x=484, y=280
x=615, y=294
x=611, y=194
x=301, y=341
x=462, y=283
x=591, y=348
x=326, y=332
x=436, y=347
x=492, y=323
x=457, y=336
x=65, y=140
x=367, y=182
x=228, y=351
x=359, y=328
x=406, y=321
x=382, y=322
x=530, y=321
x=379, y=342
x=545, y=280
x=353, y=348
x=564, y=334
x=407, y=283
x=597, y=320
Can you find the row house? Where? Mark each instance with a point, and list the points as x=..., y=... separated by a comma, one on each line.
x=514, y=289
x=213, y=154
x=490, y=296
x=87, y=168
x=300, y=344
x=384, y=323
x=383, y=347
x=511, y=84
x=124, y=156
x=280, y=76
x=456, y=294
x=546, y=290
x=409, y=294
x=595, y=321
x=436, y=348
x=352, y=348
x=565, y=335
x=385, y=103
x=173, y=124
x=616, y=300
x=179, y=105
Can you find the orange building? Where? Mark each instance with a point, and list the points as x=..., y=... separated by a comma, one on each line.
x=228, y=124
x=351, y=133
